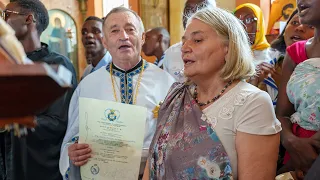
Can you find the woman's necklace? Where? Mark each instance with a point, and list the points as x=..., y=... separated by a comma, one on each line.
x=213, y=99
x=137, y=85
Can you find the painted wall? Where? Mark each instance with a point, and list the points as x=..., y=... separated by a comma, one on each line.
x=227, y=4
x=175, y=13
x=175, y=20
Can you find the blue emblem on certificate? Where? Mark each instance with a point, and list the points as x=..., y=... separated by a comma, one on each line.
x=95, y=169
x=111, y=115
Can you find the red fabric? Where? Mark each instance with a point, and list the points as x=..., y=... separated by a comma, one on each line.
x=299, y=132
x=297, y=51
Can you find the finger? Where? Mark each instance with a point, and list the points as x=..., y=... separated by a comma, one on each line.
x=81, y=163
x=299, y=174
x=77, y=146
x=316, y=144
x=81, y=158
x=267, y=71
x=264, y=64
x=81, y=152
x=316, y=136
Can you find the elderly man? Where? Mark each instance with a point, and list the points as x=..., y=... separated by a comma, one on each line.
x=96, y=54
x=172, y=61
x=141, y=83
x=36, y=156
x=157, y=41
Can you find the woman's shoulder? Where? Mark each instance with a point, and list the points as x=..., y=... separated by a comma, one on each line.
x=242, y=96
x=252, y=95
x=247, y=87
x=256, y=114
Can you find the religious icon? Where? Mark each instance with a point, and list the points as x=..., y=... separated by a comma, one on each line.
x=281, y=10
x=58, y=41
x=60, y=35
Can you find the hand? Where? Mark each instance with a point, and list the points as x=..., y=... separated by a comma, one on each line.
x=302, y=152
x=263, y=70
x=298, y=175
x=79, y=154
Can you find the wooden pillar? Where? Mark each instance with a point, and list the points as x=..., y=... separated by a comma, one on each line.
x=175, y=18
x=134, y=5
x=95, y=8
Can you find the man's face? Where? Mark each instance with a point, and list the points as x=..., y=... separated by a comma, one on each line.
x=151, y=44
x=190, y=8
x=123, y=36
x=16, y=20
x=286, y=13
x=92, y=37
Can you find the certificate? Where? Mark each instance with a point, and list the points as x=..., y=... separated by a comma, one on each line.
x=115, y=133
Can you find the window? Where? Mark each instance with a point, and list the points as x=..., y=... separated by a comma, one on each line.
x=110, y=4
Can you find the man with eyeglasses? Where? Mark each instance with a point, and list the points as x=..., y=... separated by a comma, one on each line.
x=36, y=156
x=172, y=60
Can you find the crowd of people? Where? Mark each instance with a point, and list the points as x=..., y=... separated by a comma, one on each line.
x=232, y=105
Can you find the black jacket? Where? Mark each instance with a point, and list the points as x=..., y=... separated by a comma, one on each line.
x=36, y=156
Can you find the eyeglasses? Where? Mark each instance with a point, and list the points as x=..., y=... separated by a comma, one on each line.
x=6, y=14
x=248, y=20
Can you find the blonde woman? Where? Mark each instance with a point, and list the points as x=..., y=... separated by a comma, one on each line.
x=215, y=126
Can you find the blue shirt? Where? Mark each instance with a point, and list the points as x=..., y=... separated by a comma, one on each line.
x=103, y=62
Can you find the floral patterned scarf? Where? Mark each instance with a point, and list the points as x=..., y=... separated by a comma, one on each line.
x=185, y=145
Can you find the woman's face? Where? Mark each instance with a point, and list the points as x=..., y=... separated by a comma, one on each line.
x=247, y=17
x=203, y=50
x=297, y=32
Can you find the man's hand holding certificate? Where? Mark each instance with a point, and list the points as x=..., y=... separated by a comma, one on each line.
x=114, y=133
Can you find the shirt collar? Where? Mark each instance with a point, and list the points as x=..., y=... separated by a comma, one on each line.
x=159, y=62
x=138, y=65
x=103, y=62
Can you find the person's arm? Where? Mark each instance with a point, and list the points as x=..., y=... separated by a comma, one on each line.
x=284, y=108
x=257, y=161
x=257, y=138
x=146, y=173
x=301, y=150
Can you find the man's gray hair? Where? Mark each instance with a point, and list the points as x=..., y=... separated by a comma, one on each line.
x=124, y=9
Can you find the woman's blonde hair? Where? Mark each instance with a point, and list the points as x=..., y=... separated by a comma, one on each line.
x=239, y=60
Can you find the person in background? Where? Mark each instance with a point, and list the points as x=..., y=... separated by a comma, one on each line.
x=172, y=61
x=36, y=156
x=268, y=74
x=293, y=32
x=144, y=84
x=92, y=36
x=298, y=103
x=209, y=126
x=157, y=42
x=252, y=17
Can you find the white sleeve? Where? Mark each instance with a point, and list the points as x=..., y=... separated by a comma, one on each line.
x=72, y=132
x=258, y=116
